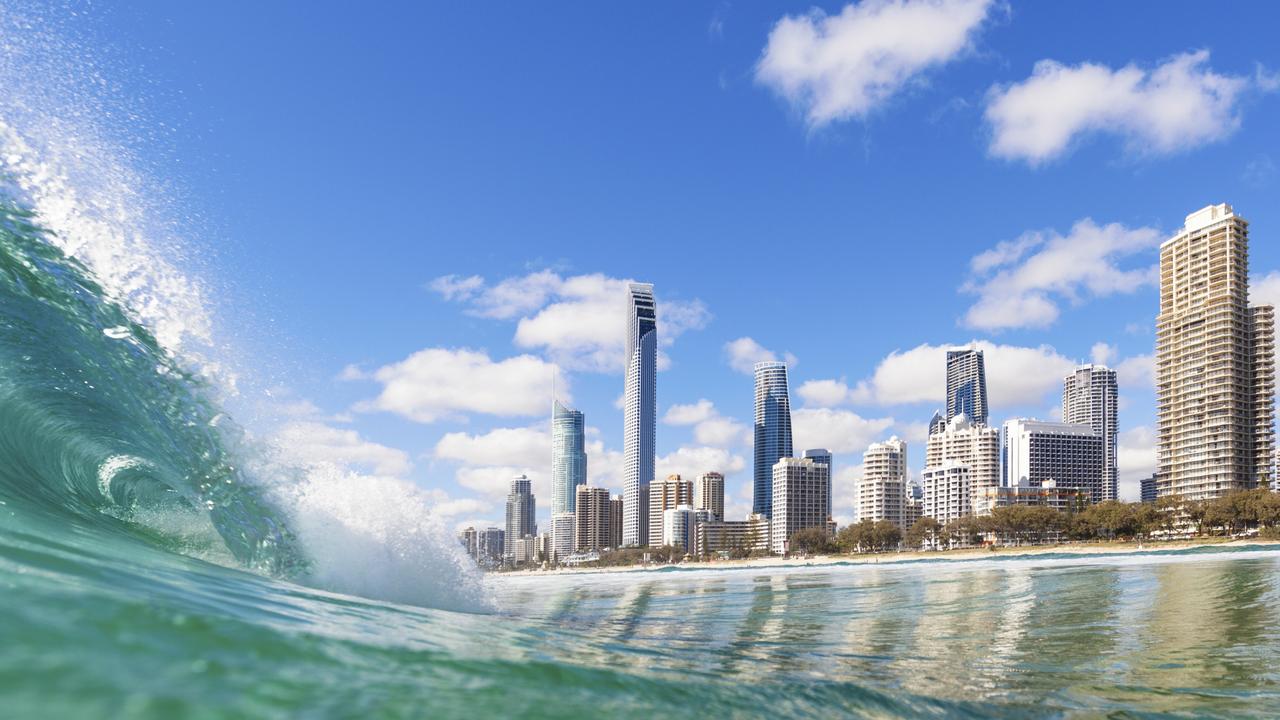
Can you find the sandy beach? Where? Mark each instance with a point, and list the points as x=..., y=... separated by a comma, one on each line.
x=1094, y=548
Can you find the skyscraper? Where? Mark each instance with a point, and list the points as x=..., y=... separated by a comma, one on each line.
x=521, y=511
x=663, y=496
x=568, y=456
x=959, y=459
x=615, y=522
x=1089, y=396
x=772, y=431
x=823, y=455
x=591, y=519
x=708, y=494
x=800, y=490
x=966, y=385
x=562, y=536
x=882, y=492
x=1215, y=374
x=640, y=414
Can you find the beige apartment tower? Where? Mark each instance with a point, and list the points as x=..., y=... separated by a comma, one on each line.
x=665, y=495
x=882, y=492
x=593, y=517
x=1215, y=373
x=708, y=494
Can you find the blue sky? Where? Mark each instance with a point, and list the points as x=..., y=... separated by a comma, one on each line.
x=416, y=216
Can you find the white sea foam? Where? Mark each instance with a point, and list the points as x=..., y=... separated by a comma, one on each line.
x=377, y=537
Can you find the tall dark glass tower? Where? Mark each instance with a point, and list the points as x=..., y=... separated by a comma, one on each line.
x=966, y=385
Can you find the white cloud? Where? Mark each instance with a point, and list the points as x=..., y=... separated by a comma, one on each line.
x=1016, y=376
x=580, y=322
x=310, y=442
x=437, y=383
x=844, y=493
x=837, y=67
x=1178, y=105
x=709, y=426
x=1021, y=285
x=690, y=462
x=745, y=352
x=488, y=461
x=1137, y=372
x=1265, y=289
x=1136, y=459
x=1102, y=353
x=826, y=393
x=526, y=447
x=840, y=431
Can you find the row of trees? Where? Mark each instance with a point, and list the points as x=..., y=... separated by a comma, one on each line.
x=1032, y=524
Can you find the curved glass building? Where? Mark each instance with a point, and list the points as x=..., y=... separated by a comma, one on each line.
x=640, y=414
x=772, y=431
x=568, y=456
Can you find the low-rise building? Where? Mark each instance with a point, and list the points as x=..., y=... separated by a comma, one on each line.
x=1047, y=495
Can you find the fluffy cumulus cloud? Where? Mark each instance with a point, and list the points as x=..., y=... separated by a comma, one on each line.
x=709, y=426
x=838, y=67
x=827, y=393
x=1016, y=376
x=1022, y=283
x=579, y=322
x=440, y=383
x=690, y=462
x=743, y=354
x=488, y=461
x=840, y=431
x=308, y=441
x=1134, y=372
x=1179, y=104
x=1265, y=289
x=1136, y=459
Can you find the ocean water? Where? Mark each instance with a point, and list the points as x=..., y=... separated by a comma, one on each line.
x=160, y=559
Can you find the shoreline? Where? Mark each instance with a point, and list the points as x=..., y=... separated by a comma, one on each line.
x=1029, y=551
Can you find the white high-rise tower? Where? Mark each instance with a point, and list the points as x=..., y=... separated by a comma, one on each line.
x=640, y=414
x=1089, y=397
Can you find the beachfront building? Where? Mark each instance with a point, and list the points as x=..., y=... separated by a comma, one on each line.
x=772, y=430
x=521, y=511
x=882, y=491
x=679, y=526
x=490, y=547
x=800, y=490
x=640, y=408
x=664, y=495
x=562, y=535
x=1215, y=369
x=568, y=456
x=750, y=535
x=823, y=455
x=1070, y=455
x=947, y=492
x=615, y=522
x=1063, y=499
x=708, y=494
x=591, y=519
x=1090, y=396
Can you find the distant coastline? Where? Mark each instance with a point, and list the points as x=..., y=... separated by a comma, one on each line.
x=1091, y=548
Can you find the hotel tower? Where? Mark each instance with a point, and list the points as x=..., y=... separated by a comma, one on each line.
x=1215, y=374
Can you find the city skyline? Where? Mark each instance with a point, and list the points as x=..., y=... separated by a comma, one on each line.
x=911, y=184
